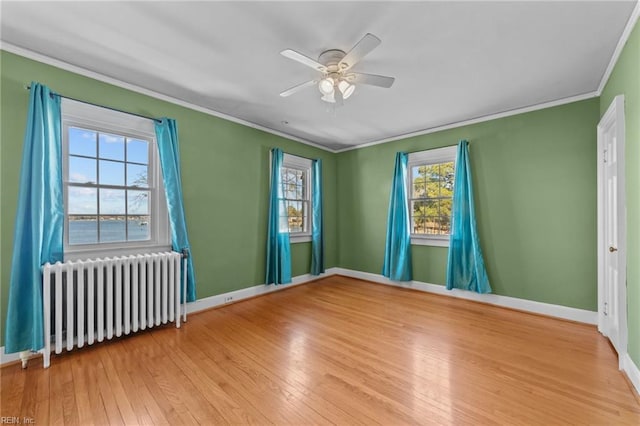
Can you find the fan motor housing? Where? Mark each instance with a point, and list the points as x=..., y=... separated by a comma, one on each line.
x=331, y=58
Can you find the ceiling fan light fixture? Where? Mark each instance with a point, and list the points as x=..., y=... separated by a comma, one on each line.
x=326, y=86
x=346, y=88
x=329, y=98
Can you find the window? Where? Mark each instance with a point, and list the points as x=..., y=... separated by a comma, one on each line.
x=296, y=188
x=431, y=175
x=114, y=198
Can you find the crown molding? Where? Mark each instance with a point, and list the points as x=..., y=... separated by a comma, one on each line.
x=633, y=19
x=476, y=120
x=29, y=54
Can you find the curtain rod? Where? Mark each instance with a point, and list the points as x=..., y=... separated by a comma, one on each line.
x=157, y=120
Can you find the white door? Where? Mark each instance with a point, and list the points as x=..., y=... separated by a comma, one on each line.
x=612, y=288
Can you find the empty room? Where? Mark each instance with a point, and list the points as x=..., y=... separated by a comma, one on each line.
x=260, y=212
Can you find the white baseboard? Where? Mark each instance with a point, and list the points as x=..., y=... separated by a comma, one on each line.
x=7, y=358
x=632, y=371
x=213, y=301
x=257, y=290
x=558, y=311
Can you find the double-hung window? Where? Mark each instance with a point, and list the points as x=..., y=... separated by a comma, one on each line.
x=113, y=192
x=430, y=189
x=296, y=189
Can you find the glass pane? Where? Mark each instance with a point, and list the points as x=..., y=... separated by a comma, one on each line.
x=112, y=202
x=138, y=202
x=431, y=225
x=112, y=228
x=137, y=175
x=111, y=146
x=295, y=216
x=111, y=173
x=300, y=192
x=137, y=151
x=446, y=175
x=83, y=229
x=419, y=208
x=138, y=228
x=445, y=207
x=445, y=225
x=433, y=188
x=82, y=200
x=419, y=189
x=82, y=142
x=418, y=224
x=82, y=170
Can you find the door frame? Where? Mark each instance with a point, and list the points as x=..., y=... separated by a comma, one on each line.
x=613, y=117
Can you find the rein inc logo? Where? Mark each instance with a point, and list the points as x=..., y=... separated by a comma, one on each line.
x=14, y=420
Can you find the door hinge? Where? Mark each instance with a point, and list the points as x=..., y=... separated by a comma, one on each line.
x=604, y=156
x=606, y=308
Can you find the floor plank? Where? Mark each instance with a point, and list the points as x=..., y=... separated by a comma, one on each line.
x=336, y=351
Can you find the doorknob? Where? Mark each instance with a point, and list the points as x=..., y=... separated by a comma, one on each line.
x=612, y=249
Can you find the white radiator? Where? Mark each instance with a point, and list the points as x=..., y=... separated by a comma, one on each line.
x=86, y=301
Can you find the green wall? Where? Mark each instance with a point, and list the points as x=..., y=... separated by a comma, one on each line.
x=534, y=174
x=625, y=80
x=535, y=191
x=224, y=174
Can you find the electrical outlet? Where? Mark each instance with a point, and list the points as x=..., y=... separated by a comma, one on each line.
x=228, y=299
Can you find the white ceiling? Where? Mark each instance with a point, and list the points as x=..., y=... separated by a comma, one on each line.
x=453, y=61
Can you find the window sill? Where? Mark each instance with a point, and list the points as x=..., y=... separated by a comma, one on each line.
x=101, y=253
x=299, y=238
x=430, y=241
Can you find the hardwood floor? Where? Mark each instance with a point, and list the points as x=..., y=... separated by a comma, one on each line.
x=339, y=351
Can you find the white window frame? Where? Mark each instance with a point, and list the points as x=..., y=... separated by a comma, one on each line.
x=78, y=114
x=291, y=161
x=431, y=156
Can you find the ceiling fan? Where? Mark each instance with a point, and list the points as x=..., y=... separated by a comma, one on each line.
x=337, y=82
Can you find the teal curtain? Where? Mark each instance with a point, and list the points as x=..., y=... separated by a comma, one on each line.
x=317, y=231
x=39, y=220
x=169, y=151
x=397, y=255
x=278, y=248
x=465, y=266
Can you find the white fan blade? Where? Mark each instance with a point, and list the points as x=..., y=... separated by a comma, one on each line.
x=364, y=46
x=294, y=89
x=371, y=79
x=299, y=57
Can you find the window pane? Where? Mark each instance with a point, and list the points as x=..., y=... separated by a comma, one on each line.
x=137, y=151
x=300, y=192
x=83, y=230
x=112, y=202
x=82, y=170
x=137, y=175
x=138, y=228
x=111, y=173
x=111, y=146
x=82, y=142
x=112, y=228
x=138, y=202
x=294, y=211
x=82, y=200
x=445, y=224
x=433, y=188
x=432, y=226
x=419, y=189
x=445, y=207
x=418, y=224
